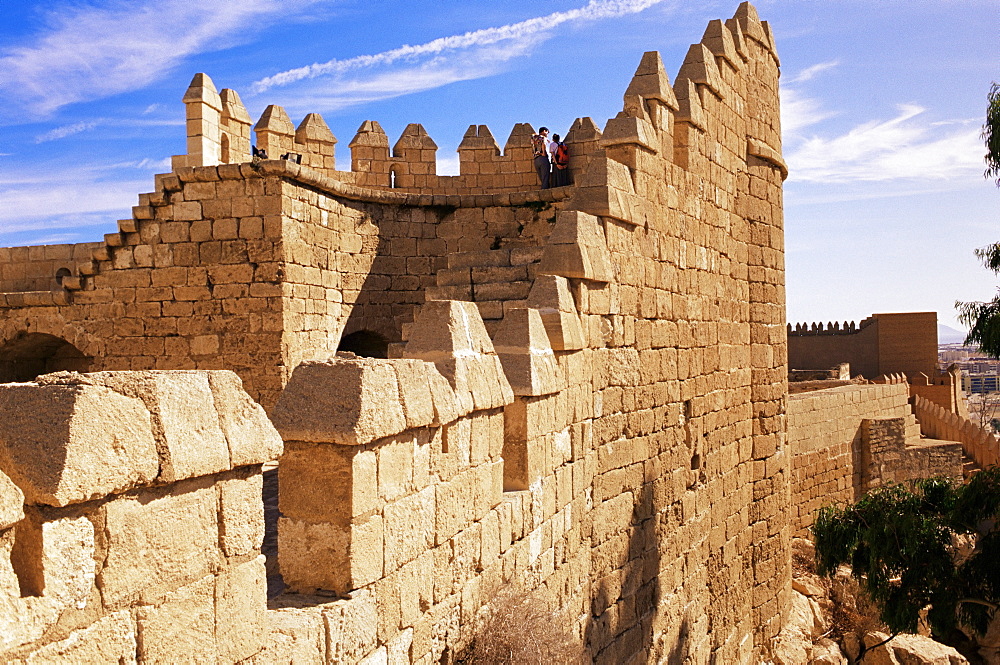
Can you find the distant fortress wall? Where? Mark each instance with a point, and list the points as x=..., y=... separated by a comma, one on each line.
x=881, y=344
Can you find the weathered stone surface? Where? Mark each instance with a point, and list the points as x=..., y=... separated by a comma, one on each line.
x=157, y=545
x=446, y=328
x=577, y=248
x=187, y=428
x=526, y=355
x=352, y=627
x=349, y=402
x=409, y=528
x=297, y=635
x=415, y=391
x=11, y=502
x=330, y=556
x=327, y=483
x=182, y=627
x=909, y=649
x=251, y=437
x=241, y=513
x=240, y=610
x=64, y=444
x=109, y=640
x=451, y=334
x=66, y=565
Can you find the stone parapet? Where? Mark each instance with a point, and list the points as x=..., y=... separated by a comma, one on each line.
x=979, y=444
x=846, y=440
x=131, y=522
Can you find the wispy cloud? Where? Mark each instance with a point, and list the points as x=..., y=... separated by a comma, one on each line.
x=64, y=131
x=810, y=72
x=43, y=197
x=89, y=51
x=413, y=68
x=799, y=112
x=905, y=147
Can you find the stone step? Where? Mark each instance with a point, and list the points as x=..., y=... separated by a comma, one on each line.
x=969, y=467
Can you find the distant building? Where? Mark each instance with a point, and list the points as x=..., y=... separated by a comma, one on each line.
x=981, y=383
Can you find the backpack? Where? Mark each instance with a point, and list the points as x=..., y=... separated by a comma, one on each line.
x=562, y=156
x=538, y=145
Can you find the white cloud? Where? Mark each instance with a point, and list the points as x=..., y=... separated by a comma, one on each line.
x=810, y=72
x=905, y=147
x=448, y=165
x=91, y=51
x=42, y=197
x=799, y=112
x=64, y=131
x=413, y=68
x=434, y=73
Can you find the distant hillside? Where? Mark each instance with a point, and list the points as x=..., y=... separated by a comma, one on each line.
x=948, y=335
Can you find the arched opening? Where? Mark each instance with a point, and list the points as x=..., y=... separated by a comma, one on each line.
x=224, y=152
x=31, y=354
x=61, y=274
x=365, y=343
x=392, y=178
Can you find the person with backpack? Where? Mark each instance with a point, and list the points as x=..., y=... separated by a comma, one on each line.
x=540, y=150
x=560, y=162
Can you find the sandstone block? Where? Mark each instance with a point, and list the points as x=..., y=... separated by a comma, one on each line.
x=351, y=628
x=415, y=391
x=240, y=610
x=409, y=528
x=182, y=627
x=251, y=437
x=330, y=556
x=452, y=335
x=523, y=346
x=241, y=513
x=189, y=437
x=154, y=546
x=64, y=444
x=342, y=401
x=577, y=248
x=297, y=635
x=11, y=502
x=327, y=483
x=66, y=566
x=111, y=639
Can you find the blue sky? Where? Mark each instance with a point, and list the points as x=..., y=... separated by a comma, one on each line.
x=882, y=107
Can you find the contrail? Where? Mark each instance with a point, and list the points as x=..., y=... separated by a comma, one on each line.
x=595, y=9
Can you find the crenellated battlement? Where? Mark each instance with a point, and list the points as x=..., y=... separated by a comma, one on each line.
x=830, y=328
x=656, y=117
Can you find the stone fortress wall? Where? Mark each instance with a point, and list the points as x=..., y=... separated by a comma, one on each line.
x=584, y=396
x=881, y=344
x=848, y=439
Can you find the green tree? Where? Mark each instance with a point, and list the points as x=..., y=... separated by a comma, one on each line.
x=900, y=543
x=983, y=318
x=991, y=132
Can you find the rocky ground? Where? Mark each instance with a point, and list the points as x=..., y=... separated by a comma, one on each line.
x=830, y=618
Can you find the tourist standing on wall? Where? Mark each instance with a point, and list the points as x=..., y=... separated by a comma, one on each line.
x=559, y=154
x=540, y=149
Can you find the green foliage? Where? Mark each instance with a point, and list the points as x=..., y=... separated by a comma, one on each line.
x=991, y=133
x=983, y=318
x=898, y=541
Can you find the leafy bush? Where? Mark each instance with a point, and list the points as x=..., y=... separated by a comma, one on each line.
x=900, y=543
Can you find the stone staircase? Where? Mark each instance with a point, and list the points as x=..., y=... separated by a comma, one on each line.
x=496, y=280
x=969, y=467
